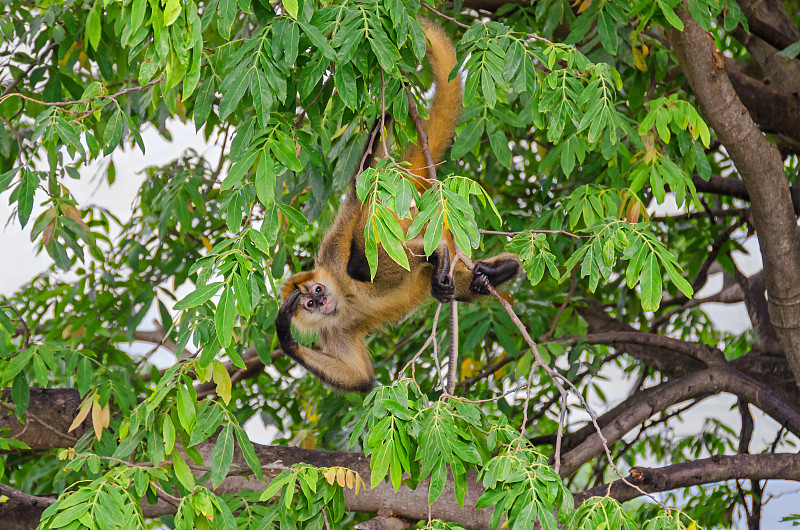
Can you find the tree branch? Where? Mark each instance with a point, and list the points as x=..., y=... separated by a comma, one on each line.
x=704, y=471
x=636, y=409
x=760, y=165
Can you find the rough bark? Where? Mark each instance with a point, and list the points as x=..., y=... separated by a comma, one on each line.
x=664, y=360
x=772, y=109
x=733, y=187
x=760, y=165
x=771, y=29
x=636, y=409
x=49, y=415
x=714, y=469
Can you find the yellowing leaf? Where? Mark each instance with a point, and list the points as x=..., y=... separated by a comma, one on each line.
x=97, y=419
x=340, y=476
x=206, y=243
x=330, y=475
x=348, y=479
x=106, y=415
x=498, y=375
x=82, y=413
x=584, y=5
x=638, y=59
x=468, y=368
x=223, y=380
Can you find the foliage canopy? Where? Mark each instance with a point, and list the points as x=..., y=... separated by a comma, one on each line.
x=577, y=125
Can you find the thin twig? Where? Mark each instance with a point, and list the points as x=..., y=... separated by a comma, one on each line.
x=424, y=346
x=439, y=13
x=10, y=88
x=560, y=435
x=512, y=234
x=82, y=101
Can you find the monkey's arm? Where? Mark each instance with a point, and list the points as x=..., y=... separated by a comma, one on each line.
x=344, y=362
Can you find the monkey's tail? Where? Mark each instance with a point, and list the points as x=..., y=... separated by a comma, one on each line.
x=445, y=107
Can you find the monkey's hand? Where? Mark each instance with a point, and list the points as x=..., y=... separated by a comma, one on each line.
x=443, y=288
x=494, y=273
x=283, y=323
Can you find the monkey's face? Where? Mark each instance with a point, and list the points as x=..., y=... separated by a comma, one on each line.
x=317, y=299
x=316, y=307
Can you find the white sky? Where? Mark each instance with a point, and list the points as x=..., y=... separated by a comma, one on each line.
x=19, y=264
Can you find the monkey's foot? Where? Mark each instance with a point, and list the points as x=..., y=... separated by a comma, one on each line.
x=494, y=273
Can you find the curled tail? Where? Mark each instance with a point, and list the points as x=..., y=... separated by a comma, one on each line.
x=445, y=107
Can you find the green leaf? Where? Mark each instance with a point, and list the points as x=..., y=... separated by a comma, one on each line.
x=433, y=234
x=171, y=12
x=227, y=14
x=283, y=147
x=295, y=217
x=186, y=408
x=608, y=32
x=84, y=376
x=223, y=320
x=651, y=283
x=222, y=456
x=265, y=179
x=182, y=471
x=93, y=25
x=438, y=480
x=233, y=89
x=25, y=193
x=248, y=452
x=670, y=15
x=168, y=433
x=468, y=138
x=791, y=51
x=208, y=420
x=238, y=170
x=20, y=394
x=263, y=97
x=199, y=296
x=291, y=7
x=113, y=132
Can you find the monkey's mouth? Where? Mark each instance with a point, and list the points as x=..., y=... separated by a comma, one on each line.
x=328, y=306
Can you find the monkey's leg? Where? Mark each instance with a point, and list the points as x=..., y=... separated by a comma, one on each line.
x=343, y=364
x=442, y=285
x=494, y=271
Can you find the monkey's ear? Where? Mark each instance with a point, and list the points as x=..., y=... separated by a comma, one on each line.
x=373, y=149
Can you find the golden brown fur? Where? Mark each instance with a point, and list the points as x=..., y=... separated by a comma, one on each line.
x=338, y=302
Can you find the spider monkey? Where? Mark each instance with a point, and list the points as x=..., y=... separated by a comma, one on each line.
x=338, y=301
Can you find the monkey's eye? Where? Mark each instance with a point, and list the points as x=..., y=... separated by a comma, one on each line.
x=310, y=304
x=318, y=289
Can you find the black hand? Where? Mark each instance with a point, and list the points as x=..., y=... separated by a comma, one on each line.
x=283, y=322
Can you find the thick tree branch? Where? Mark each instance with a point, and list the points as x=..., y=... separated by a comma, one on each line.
x=636, y=409
x=53, y=409
x=733, y=187
x=705, y=471
x=665, y=360
x=760, y=165
x=704, y=353
x=772, y=109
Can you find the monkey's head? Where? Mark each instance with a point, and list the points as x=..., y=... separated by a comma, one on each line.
x=318, y=301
